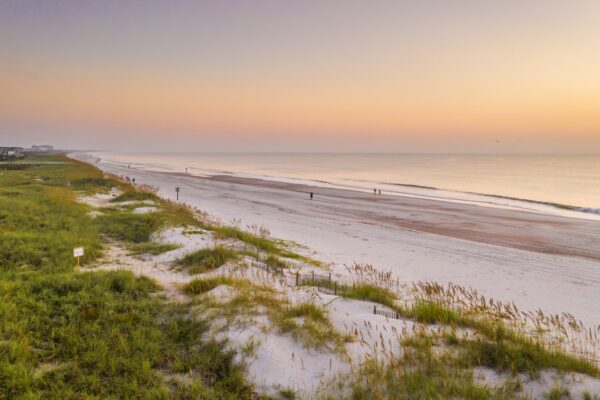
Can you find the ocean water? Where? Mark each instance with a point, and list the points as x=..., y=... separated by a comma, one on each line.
x=558, y=184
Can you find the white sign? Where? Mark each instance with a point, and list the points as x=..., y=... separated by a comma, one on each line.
x=78, y=252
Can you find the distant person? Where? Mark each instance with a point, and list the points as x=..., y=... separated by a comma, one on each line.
x=133, y=180
x=311, y=195
x=374, y=191
x=380, y=191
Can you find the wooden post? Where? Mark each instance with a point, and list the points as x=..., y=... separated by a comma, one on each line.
x=313, y=276
x=374, y=309
x=78, y=264
x=297, y=278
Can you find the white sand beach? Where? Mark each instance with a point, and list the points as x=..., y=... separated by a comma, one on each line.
x=536, y=261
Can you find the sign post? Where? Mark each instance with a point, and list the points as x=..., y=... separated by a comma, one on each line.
x=177, y=191
x=78, y=252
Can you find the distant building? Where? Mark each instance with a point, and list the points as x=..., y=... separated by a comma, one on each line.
x=7, y=153
x=42, y=148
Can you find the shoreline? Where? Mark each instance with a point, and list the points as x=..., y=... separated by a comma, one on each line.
x=473, y=227
x=535, y=260
x=547, y=205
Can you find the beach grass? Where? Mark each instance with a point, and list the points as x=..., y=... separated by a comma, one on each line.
x=129, y=227
x=495, y=344
x=307, y=323
x=72, y=335
x=66, y=334
x=208, y=259
x=273, y=248
x=134, y=194
x=260, y=243
x=421, y=372
x=201, y=286
x=40, y=222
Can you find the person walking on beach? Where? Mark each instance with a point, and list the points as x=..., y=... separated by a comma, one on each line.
x=380, y=192
x=311, y=195
x=374, y=191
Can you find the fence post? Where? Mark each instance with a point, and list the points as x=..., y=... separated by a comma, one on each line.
x=330, y=277
x=335, y=288
x=313, y=276
x=374, y=309
x=297, y=278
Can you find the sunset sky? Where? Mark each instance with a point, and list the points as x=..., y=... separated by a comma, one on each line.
x=394, y=76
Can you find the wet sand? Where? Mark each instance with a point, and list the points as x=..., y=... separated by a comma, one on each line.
x=517, y=229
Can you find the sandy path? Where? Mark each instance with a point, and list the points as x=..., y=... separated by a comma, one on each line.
x=535, y=260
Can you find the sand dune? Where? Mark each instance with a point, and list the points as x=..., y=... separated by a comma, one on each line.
x=535, y=260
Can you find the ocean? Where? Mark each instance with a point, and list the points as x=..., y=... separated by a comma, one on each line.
x=566, y=185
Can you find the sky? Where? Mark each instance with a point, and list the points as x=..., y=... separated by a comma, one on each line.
x=325, y=76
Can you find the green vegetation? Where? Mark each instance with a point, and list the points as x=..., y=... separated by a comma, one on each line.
x=496, y=346
x=133, y=194
x=287, y=394
x=103, y=335
x=95, y=184
x=588, y=396
x=306, y=310
x=205, y=260
x=121, y=223
x=201, y=286
x=521, y=355
x=360, y=291
x=307, y=323
x=370, y=293
x=433, y=313
x=93, y=335
x=261, y=243
x=40, y=223
x=276, y=262
x=271, y=247
x=129, y=227
x=558, y=393
x=422, y=373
